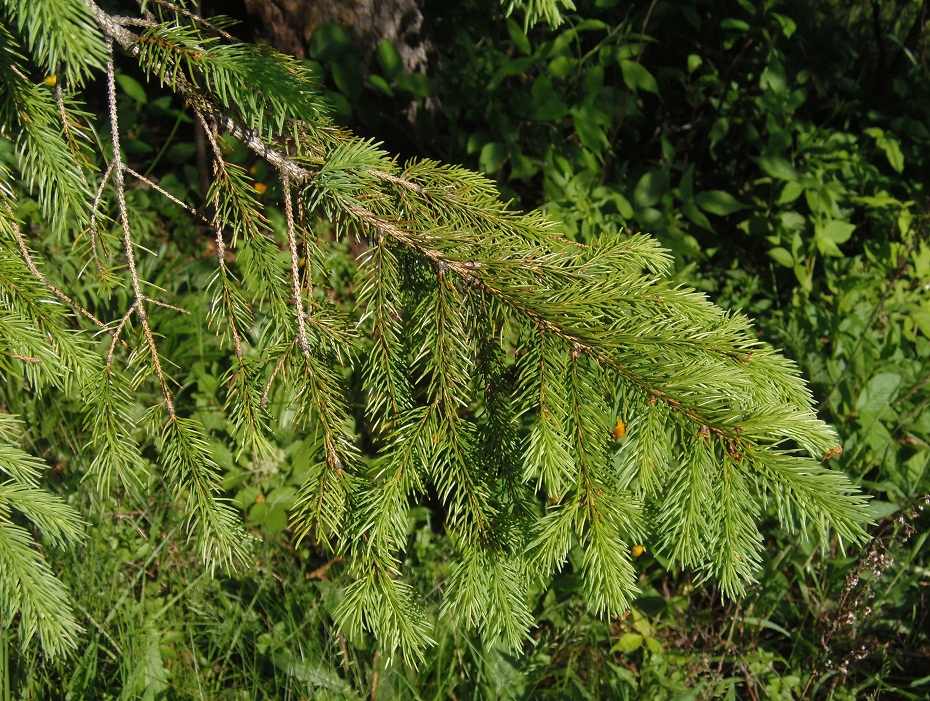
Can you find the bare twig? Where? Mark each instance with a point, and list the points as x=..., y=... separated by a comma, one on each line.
x=642, y=32
x=162, y=191
x=274, y=373
x=196, y=18
x=119, y=330
x=92, y=228
x=166, y=305
x=24, y=358
x=134, y=21
x=127, y=234
x=18, y=235
x=68, y=130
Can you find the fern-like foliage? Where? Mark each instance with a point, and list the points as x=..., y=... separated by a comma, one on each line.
x=563, y=401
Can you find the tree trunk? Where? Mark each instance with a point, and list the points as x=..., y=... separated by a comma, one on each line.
x=288, y=25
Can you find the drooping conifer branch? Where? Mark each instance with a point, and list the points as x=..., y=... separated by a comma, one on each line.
x=496, y=355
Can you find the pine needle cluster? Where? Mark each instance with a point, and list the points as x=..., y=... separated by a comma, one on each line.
x=558, y=399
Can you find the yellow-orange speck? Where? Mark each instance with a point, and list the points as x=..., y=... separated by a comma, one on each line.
x=619, y=430
x=637, y=550
x=260, y=188
x=50, y=80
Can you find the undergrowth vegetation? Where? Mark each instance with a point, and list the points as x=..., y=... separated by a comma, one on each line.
x=286, y=416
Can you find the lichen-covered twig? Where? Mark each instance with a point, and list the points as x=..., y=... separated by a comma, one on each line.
x=120, y=186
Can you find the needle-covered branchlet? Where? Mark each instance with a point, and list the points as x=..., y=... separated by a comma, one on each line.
x=295, y=272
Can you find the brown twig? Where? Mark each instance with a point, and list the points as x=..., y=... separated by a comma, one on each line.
x=24, y=358
x=196, y=18
x=166, y=305
x=162, y=191
x=218, y=165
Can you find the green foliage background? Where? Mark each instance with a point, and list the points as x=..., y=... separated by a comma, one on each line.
x=776, y=149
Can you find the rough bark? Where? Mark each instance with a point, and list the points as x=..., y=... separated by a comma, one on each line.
x=288, y=25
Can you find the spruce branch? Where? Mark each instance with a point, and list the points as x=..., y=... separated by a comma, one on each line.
x=735, y=551
x=379, y=601
x=230, y=302
x=685, y=525
x=108, y=419
x=548, y=457
x=279, y=366
x=28, y=587
x=193, y=17
x=452, y=279
x=486, y=590
x=118, y=330
x=44, y=156
x=193, y=476
x=61, y=36
x=394, y=477
x=69, y=128
x=324, y=498
x=58, y=522
x=389, y=392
